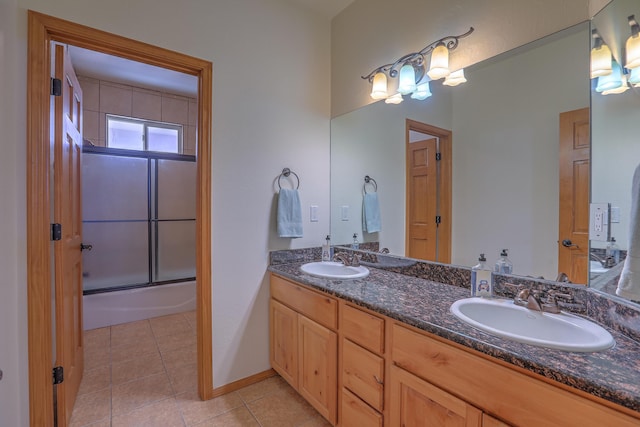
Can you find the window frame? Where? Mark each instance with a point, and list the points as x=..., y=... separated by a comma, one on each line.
x=146, y=124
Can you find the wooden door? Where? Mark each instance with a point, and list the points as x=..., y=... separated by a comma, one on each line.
x=67, y=252
x=575, y=159
x=416, y=403
x=284, y=342
x=422, y=200
x=318, y=367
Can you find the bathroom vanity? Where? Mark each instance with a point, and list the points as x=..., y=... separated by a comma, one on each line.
x=385, y=350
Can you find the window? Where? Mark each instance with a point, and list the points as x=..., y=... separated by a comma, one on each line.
x=143, y=135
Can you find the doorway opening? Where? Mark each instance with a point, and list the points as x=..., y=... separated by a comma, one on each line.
x=43, y=30
x=428, y=192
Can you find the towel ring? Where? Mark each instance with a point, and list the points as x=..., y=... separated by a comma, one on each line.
x=369, y=180
x=286, y=172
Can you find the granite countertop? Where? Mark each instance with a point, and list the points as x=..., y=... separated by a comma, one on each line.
x=613, y=374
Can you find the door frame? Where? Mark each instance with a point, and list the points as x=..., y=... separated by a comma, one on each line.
x=444, y=185
x=42, y=30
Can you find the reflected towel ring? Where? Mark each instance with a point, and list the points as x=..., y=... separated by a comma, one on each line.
x=369, y=180
x=286, y=172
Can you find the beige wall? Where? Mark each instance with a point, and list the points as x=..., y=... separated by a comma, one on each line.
x=370, y=33
x=102, y=97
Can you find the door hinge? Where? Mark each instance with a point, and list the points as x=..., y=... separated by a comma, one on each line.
x=56, y=87
x=438, y=219
x=56, y=231
x=58, y=375
x=438, y=156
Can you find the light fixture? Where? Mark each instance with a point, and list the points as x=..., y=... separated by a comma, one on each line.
x=394, y=99
x=407, y=79
x=455, y=78
x=600, y=57
x=410, y=69
x=634, y=77
x=379, y=88
x=621, y=88
x=423, y=91
x=612, y=81
x=633, y=45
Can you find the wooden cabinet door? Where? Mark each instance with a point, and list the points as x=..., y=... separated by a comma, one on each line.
x=416, y=403
x=489, y=421
x=284, y=342
x=317, y=361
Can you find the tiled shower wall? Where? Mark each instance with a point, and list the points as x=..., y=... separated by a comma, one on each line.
x=101, y=97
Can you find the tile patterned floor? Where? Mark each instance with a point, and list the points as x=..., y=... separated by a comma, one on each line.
x=144, y=374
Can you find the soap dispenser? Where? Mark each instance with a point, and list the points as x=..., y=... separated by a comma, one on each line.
x=503, y=265
x=613, y=251
x=355, y=244
x=481, y=279
x=326, y=249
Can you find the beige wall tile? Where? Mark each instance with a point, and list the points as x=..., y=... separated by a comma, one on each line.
x=189, y=140
x=193, y=112
x=91, y=125
x=147, y=105
x=115, y=99
x=175, y=110
x=90, y=93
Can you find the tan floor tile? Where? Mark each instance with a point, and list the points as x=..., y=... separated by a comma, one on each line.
x=143, y=366
x=97, y=338
x=261, y=389
x=181, y=356
x=95, y=379
x=316, y=421
x=143, y=347
x=164, y=413
x=184, y=378
x=281, y=409
x=190, y=316
x=96, y=358
x=195, y=410
x=135, y=394
x=170, y=325
x=176, y=341
x=239, y=417
x=130, y=333
x=90, y=408
x=102, y=423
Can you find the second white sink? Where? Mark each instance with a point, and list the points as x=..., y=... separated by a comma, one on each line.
x=334, y=270
x=562, y=331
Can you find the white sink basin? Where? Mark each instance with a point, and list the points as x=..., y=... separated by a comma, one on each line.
x=562, y=331
x=596, y=268
x=334, y=270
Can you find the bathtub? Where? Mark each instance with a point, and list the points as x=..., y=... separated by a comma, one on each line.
x=112, y=308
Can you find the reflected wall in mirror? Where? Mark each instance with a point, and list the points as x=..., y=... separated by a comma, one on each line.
x=505, y=132
x=614, y=132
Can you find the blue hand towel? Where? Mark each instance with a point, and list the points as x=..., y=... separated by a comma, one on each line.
x=289, y=213
x=629, y=282
x=371, y=210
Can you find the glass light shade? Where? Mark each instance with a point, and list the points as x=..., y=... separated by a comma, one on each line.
x=439, y=66
x=634, y=77
x=407, y=79
x=394, y=99
x=379, y=89
x=600, y=61
x=611, y=81
x=422, y=92
x=455, y=78
x=633, y=52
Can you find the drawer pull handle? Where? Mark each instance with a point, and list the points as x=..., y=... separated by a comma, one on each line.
x=378, y=380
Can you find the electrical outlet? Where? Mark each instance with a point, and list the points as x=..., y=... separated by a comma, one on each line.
x=599, y=222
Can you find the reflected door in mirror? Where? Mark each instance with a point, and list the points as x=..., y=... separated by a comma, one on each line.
x=575, y=158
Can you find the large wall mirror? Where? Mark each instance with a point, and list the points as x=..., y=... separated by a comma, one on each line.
x=505, y=180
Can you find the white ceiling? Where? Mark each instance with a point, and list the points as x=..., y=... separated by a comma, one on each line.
x=97, y=65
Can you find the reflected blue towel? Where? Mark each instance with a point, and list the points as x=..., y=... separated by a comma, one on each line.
x=289, y=213
x=371, y=212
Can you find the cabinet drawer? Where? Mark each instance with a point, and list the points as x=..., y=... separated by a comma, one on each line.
x=363, y=328
x=355, y=412
x=317, y=307
x=363, y=373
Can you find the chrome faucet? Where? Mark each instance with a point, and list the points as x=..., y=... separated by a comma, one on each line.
x=343, y=257
x=607, y=262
